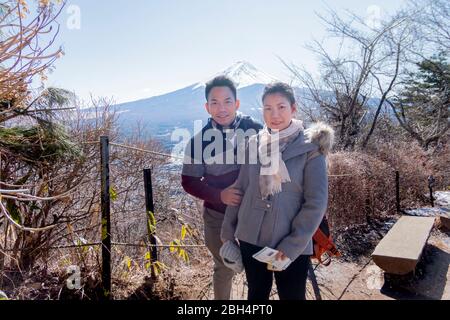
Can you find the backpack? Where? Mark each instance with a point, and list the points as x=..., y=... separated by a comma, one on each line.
x=323, y=246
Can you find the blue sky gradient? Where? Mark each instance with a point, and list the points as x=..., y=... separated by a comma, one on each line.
x=130, y=50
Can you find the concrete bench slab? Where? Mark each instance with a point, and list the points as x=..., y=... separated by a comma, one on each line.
x=400, y=250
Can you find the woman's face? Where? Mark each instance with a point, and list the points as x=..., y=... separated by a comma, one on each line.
x=278, y=111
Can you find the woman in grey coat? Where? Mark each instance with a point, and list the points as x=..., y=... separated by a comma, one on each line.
x=285, y=197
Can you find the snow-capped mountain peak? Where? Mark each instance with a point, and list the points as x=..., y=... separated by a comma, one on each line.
x=244, y=74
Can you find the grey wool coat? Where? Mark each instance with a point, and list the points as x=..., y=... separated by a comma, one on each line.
x=288, y=220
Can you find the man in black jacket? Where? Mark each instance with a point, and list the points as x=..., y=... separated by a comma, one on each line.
x=210, y=176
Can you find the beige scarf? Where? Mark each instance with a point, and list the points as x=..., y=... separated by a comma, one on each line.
x=271, y=146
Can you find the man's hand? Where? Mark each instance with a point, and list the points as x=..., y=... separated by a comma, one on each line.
x=231, y=197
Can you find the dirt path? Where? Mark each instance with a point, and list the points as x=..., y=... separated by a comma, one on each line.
x=365, y=281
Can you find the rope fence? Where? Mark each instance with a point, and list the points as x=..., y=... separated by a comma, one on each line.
x=119, y=244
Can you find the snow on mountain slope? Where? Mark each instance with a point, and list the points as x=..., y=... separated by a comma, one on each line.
x=243, y=74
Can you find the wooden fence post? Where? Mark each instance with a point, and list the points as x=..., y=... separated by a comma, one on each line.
x=150, y=213
x=397, y=190
x=106, y=218
x=431, y=182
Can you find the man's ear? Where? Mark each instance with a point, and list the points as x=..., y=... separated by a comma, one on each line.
x=207, y=107
x=238, y=104
x=294, y=108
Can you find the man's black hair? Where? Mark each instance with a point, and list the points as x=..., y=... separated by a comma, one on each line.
x=220, y=81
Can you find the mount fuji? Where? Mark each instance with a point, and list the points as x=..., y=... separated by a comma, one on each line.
x=160, y=115
x=244, y=75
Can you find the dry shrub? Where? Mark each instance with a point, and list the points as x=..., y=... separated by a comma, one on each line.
x=353, y=198
x=413, y=164
x=369, y=193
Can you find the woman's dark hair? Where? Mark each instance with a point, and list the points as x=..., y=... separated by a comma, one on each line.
x=280, y=88
x=220, y=81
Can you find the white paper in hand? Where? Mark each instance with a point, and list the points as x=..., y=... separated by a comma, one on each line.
x=267, y=255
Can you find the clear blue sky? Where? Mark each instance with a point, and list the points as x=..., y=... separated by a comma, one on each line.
x=136, y=49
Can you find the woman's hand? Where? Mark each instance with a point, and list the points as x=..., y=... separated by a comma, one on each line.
x=281, y=256
x=231, y=197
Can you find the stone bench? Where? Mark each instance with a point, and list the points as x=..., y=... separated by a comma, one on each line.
x=400, y=250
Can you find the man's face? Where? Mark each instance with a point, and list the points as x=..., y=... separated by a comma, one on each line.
x=222, y=105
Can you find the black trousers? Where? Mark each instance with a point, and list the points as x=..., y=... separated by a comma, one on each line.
x=291, y=283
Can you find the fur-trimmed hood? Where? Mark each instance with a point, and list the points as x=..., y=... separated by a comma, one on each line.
x=322, y=135
x=318, y=134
